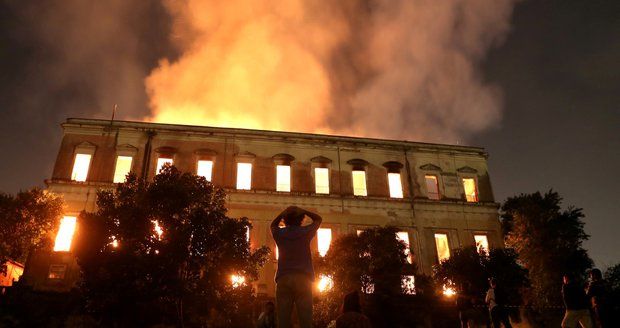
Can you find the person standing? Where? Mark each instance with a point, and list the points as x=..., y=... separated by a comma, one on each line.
x=597, y=293
x=295, y=273
x=352, y=316
x=576, y=303
x=267, y=319
x=496, y=301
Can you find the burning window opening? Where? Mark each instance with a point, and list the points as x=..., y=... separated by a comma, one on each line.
x=237, y=280
x=64, y=237
x=325, y=283
x=443, y=247
x=471, y=192
x=324, y=239
x=161, y=162
x=396, y=186
x=80, y=167
x=283, y=178
x=321, y=180
x=123, y=167
x=432, y=187
x=359, y=183
x=244, y=176
x=407, y=285
x=482, y=244
x=404, y=237
x=205, y=169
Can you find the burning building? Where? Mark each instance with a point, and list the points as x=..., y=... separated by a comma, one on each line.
x=438, y=196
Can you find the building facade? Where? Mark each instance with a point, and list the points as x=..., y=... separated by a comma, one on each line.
x=438, y=196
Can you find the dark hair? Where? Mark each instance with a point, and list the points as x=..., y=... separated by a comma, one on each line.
x=492, y=281
x=596, y=273
x=351, y=303
x=294, y=220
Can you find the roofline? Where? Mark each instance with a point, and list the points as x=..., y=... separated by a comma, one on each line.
x=302, y=135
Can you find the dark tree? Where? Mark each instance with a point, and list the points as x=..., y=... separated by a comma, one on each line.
x=164, y=253
x=612, y=278
x=27, y=221
x=548, y=241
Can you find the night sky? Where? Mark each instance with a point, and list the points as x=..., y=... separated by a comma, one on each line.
x=558, y=70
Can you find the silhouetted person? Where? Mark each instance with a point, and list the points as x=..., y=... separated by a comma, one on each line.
x=496, y=300
x=295, y=273
x=576, y=303
x=465, y=305
x=351, y=316
x=267, y=319
x=598, y=294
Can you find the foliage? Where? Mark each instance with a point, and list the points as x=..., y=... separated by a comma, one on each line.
x=468, y=266
x=26, y=222
x=182, y=274
x=612, y=277
x=548, y=241
x=374, y=259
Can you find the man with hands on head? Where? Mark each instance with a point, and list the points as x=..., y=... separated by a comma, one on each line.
x=295, y=272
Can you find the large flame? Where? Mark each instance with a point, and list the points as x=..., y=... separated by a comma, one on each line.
x=388, y=68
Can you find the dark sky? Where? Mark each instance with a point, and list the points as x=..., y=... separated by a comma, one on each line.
x=559, y=71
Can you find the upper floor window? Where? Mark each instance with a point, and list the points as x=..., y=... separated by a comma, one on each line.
x=123, y=167
x=321, y=180
x=359, y=183
x=432, y=187
x=283, y=178
x=324, y=240
x=482, y=243
x=204, y=169
x=161, y=162
x=404, y=237
x=80, y=167
x=64, y=237
x=394, y=180
x=244, y=176
x=443, y=247
x=471, y=191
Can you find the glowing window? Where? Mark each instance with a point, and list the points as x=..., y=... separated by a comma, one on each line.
x=396, y=187
x=324, y=239
x=283, y=178
x=161, y=162
x=244, y=176
x=404, y=237
x=325, y=283
x=205, y=169
x=359, y=232
x=80, y=167
x=432, y=187
x=443, y=247
x=482, y=243
x=123, y=167
x=57, y=271
x=471, y=192
x=321, y=180
x=407, y=285
x=65, y=234
x=359, y=183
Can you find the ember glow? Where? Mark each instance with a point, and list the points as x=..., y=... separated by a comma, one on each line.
x=237, y=280
x=325, y=283
x=64, y=237
x=396, y=68
x=448, y=291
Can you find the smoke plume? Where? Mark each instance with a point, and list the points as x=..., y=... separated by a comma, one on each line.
x=406, y=69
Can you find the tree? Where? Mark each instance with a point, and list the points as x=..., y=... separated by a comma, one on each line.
x=612, y=277
x=27, y=221
x=467, y=265
x=373, y=261
x=548, y=241
x=164, y=253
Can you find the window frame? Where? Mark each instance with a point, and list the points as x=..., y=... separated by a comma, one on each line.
x=428, y=193
x=462, y=179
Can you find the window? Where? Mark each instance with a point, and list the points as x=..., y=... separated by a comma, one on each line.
x=407, y=284
x=443, y=247
x=321, y=180
x=160, y=163
x=205, y=169
x=471, y=192
x=123, y=167
x=64, y=237
x=324, y=239
x=283, y=178
x=359, y=183
x=57, y=271
x=244, y=176
x=482, y=243
x=432, y=187
x=396, y=187
x=404, y=237
x=80, y=167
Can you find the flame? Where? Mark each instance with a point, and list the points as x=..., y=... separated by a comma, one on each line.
x=65, y=234
x=325, y=283
x=237, y=280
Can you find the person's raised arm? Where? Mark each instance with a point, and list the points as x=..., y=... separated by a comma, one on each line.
x=276, y=222
x=316, y=219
